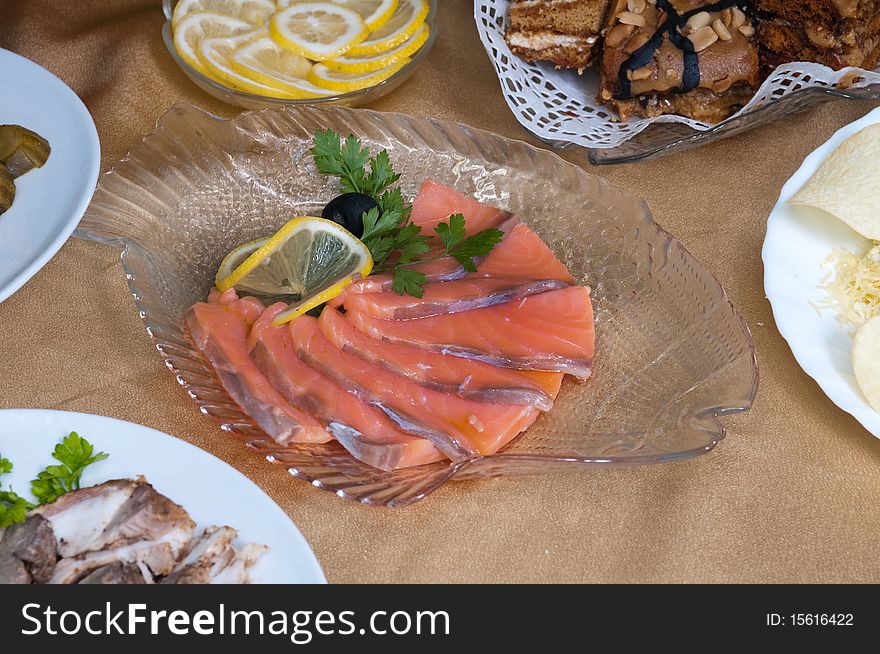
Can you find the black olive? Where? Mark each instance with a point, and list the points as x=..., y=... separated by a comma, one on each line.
x=348, y=210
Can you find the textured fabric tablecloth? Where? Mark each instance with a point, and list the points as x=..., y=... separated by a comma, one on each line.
x=792, y=494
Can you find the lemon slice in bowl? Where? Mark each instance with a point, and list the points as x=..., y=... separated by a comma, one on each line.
x=310, y=258
x=317, y=30
x=341, y=82
x=237, y=256
x=201, y=25
x=214, y=56
x=265, y=62
x=374, y=12
x=256, y=12
x=407, y=18
x=368, y=63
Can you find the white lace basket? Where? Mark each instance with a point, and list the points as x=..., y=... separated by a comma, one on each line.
x=560, y=107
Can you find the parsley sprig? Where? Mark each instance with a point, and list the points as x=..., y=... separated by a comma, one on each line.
x=74, y=453
x=13, y=507
x=395, y=242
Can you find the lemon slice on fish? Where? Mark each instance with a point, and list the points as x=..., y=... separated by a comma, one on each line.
x=310, y=258
x=201, y=25
x=256, y=12
x=407, y=18
x=368, y=63
x=317, y=30
x=374, y=12
x=335, y=80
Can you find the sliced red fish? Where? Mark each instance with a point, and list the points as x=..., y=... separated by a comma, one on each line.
x=466, y=378
x=219, y=328
x=436, y=202
x=367, y=433
x=433, y=205
x=550, y=331
x=523, y=254
x=461, y=428
x=449, y=297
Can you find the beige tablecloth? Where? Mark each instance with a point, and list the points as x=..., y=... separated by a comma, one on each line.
x=792, y=494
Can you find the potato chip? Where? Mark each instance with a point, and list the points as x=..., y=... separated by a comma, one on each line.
x=847, y=183
x=866, y=360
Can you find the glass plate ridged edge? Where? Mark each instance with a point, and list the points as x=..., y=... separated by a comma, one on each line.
x=190, y=147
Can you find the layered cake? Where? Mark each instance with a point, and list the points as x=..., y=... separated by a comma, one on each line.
x=565, y=32
x=837, y=33
x=688, y=57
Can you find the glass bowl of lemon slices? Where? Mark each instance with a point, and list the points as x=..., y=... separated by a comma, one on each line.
x=264, y=53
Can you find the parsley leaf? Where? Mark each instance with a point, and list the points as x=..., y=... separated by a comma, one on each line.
x=74, y=454
x=478, y=245
x=389, y=232
x=13, y=507
x=409, y=282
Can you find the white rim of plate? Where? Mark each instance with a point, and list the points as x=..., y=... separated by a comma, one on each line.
x=90, y=175
x=71, y=417
x=853, y=404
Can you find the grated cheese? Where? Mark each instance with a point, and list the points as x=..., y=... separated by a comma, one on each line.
x=854, y=293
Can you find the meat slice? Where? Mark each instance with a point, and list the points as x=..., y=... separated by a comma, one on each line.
x=28, y=552
x=551, y=331
x=455, y=425
x=367, y=433
x=214, y=559
x=115, y=573
x=466, y=378
x=220, y=329
x=159, y=556
x=114, y=514
x=237, y=571
x=466, y=294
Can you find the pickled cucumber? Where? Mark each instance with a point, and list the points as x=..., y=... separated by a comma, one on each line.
x=7, y=189
x=21, y=150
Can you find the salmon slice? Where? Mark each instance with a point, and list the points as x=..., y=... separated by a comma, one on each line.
x=523, y=254
x=550, y=331
x=436, y=202
x=219, y=328
x=466, y=378
x=433, y=205
x=460, y=428
x=449, y=297
x=367, y=433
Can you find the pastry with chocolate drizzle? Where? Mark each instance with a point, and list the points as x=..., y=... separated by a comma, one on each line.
x=687, y=57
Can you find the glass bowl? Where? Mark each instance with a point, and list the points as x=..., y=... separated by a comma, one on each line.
x=252, y=101
x=672, y=353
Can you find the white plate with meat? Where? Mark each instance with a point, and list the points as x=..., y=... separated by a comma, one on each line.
x=211, y=492
x=49, y=201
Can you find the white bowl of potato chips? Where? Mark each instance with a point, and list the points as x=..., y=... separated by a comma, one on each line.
x=822, y=268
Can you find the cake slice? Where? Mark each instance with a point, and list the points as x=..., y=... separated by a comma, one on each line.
x=565, y=32
x=689, y=57
x=836, y=33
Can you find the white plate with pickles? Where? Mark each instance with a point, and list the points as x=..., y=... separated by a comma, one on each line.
x=46, y=197
x=822, y=268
